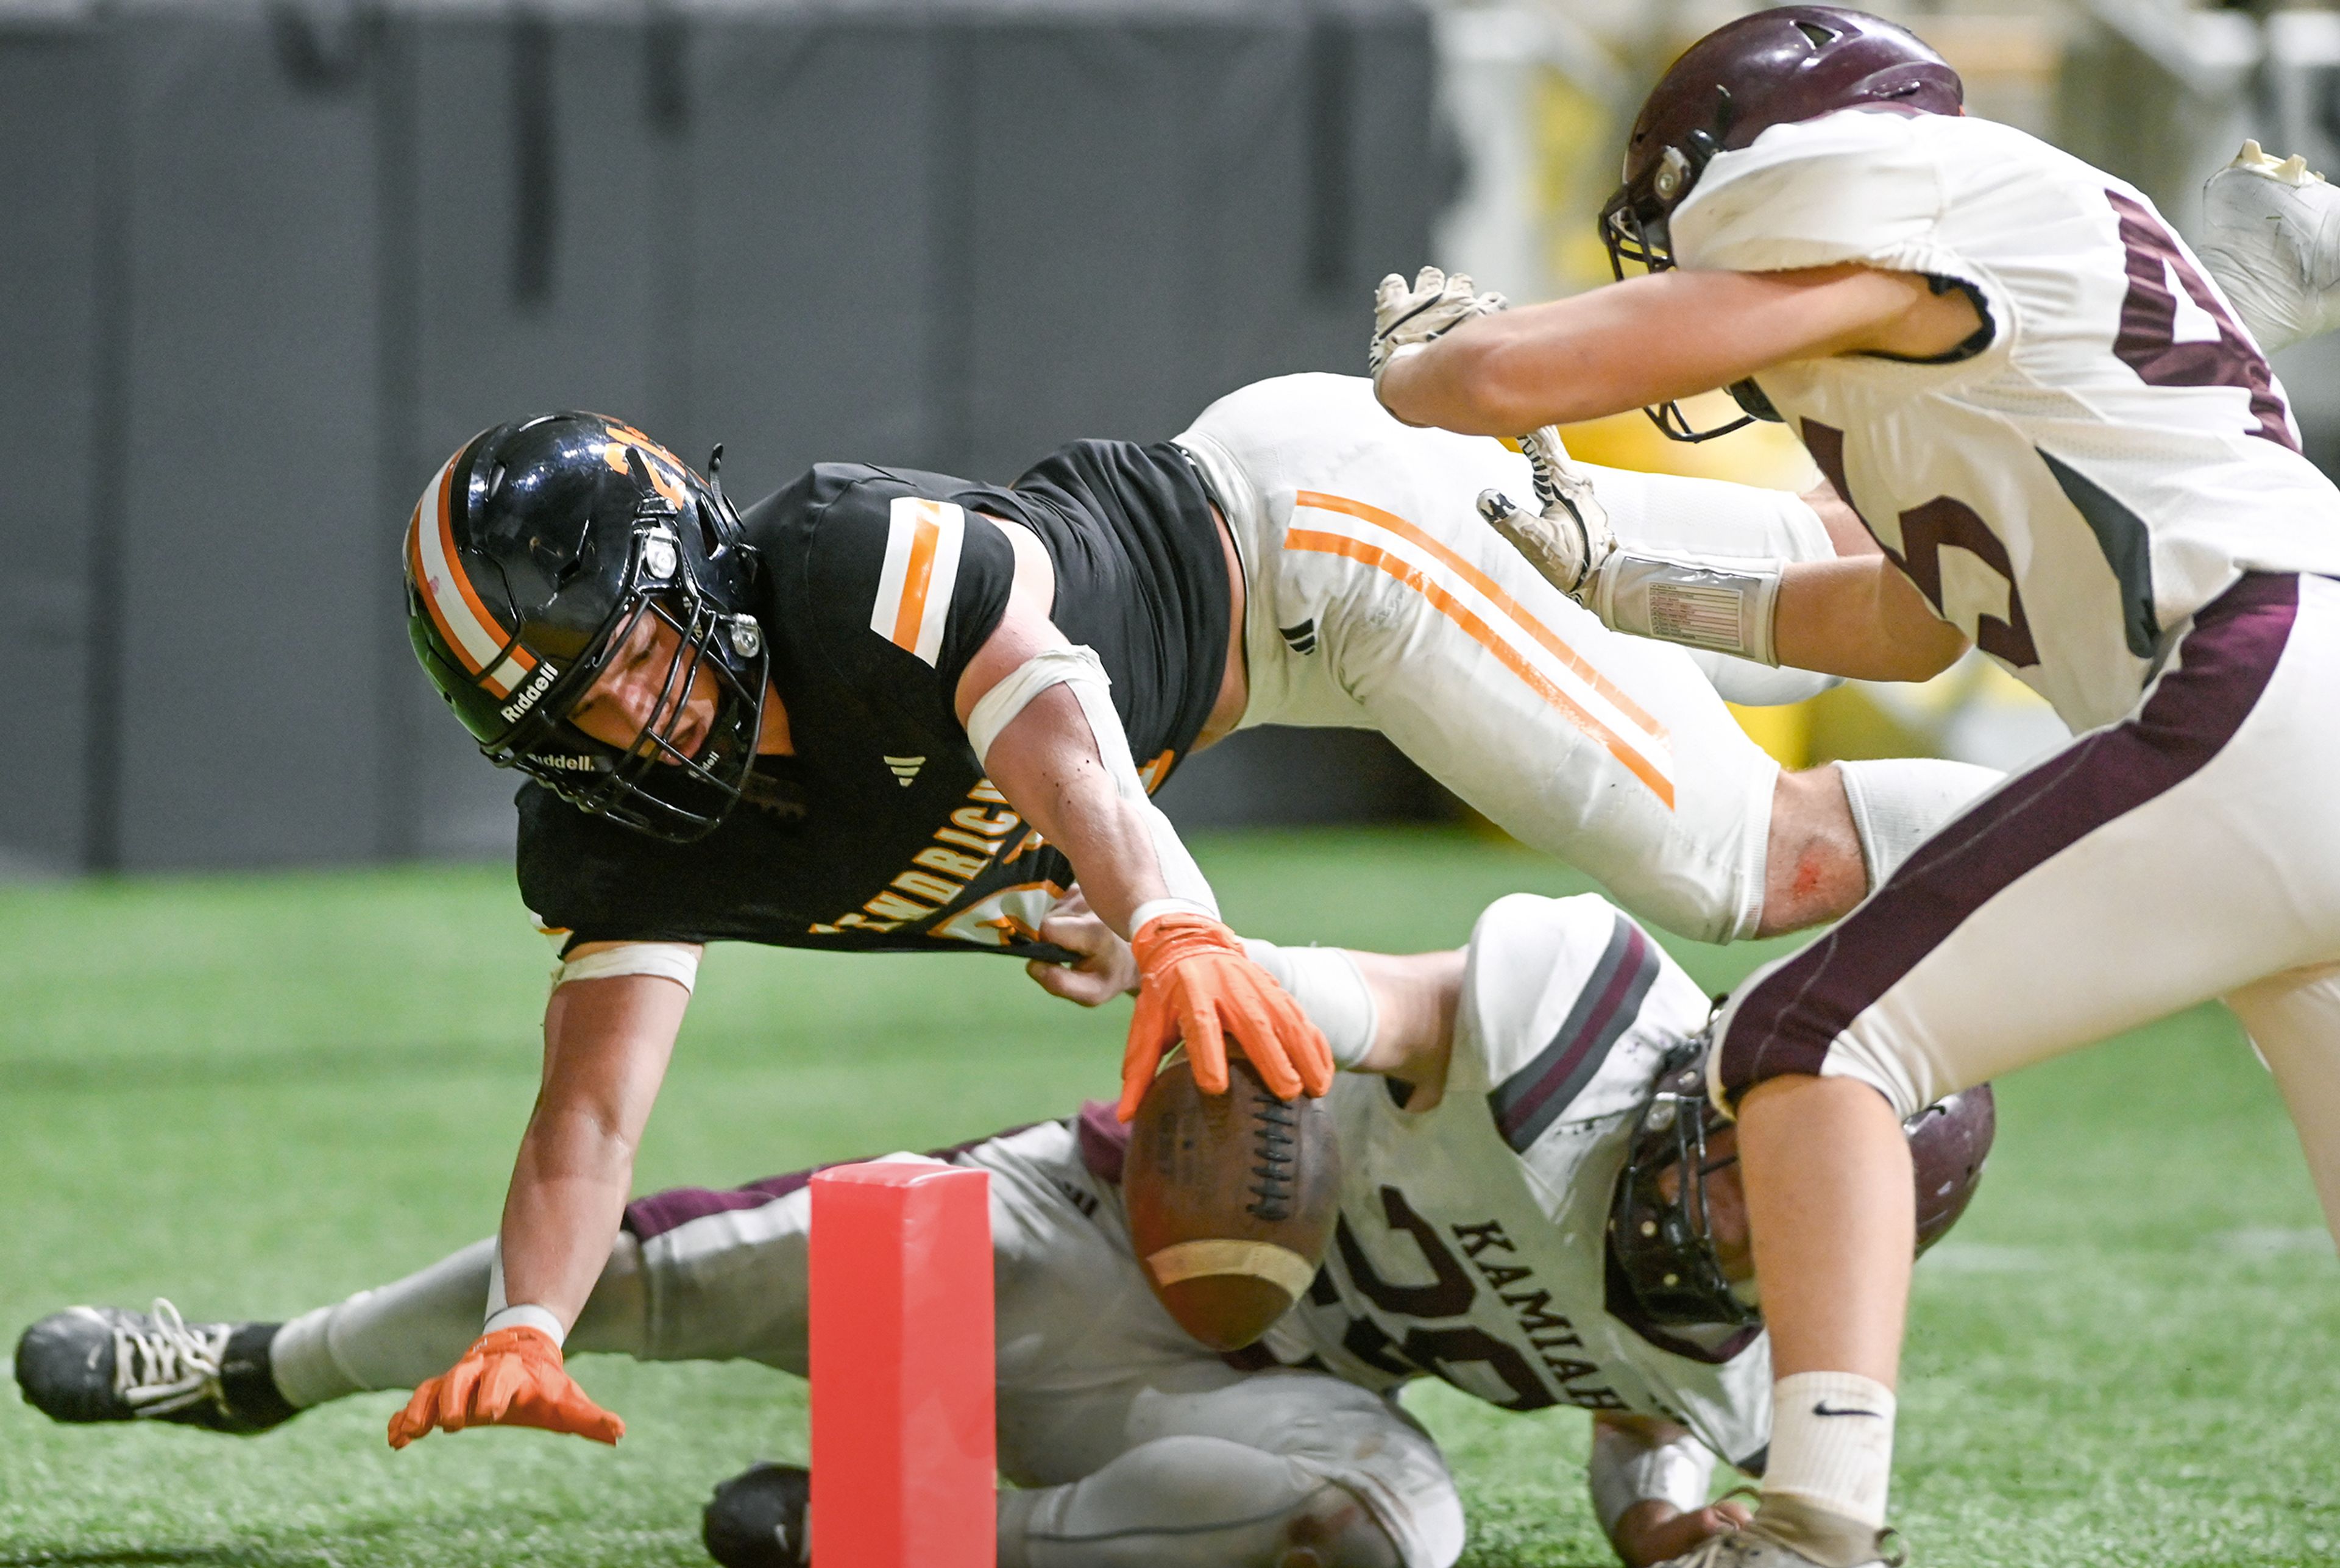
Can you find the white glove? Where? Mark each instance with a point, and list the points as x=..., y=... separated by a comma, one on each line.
x=1568, y=538
x=2272, y=242
x=1405, y=319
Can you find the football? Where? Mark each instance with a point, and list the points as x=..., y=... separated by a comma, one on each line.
x=1230, y=1200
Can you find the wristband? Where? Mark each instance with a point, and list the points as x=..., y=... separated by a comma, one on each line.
x=1725, y=603
x=528, y=1314
x=1153, y=909
x=1326, y=984
x=1624, y=1471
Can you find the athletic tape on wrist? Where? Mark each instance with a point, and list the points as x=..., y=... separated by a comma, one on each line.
x=1725, y=603
x=528, y=1314
x=503, y=1315
x=1146, y=914
x=1326, y=984
x=676, y=961
x=1079, y=671
x=1624, y=1470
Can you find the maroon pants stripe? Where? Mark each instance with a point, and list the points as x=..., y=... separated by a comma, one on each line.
x=1787, y=1021
x=657, y=1213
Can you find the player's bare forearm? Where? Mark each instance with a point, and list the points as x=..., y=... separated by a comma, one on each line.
x=606, y=1047
x=1046, y=763
x=1651, y=340
x=1860, y=618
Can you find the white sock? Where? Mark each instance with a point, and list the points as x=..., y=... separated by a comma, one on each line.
x=1897, y=803
x=393, y=1338
x=1832, y=1444
x=415, y=1329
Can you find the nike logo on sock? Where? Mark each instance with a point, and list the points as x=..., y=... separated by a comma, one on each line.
x=1822, y=1409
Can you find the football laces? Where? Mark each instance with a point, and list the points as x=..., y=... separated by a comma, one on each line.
x=167, y=1366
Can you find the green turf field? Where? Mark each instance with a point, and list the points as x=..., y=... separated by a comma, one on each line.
x=258, y=1094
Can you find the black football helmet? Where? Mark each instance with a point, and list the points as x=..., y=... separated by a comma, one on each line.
x=1779, y=66
x=1662, y=1245
x=534, y=554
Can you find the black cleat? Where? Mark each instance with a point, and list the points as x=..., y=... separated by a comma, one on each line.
x=103, y=1364
x=761, y=1518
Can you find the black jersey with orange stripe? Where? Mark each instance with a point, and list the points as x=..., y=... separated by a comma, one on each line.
x=878, y=831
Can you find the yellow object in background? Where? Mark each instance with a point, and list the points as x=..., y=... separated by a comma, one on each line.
x=1786, y=732
x=1765, y=454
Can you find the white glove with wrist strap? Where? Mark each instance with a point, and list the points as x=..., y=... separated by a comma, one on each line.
x=1728, y=603
x=1405, y=319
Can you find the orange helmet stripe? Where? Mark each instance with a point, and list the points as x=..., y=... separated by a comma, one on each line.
x=456, y=607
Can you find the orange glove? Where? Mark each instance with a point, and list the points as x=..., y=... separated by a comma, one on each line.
x=513, y=1378
x=1196, y=983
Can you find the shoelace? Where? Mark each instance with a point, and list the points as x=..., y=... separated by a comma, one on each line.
x=166, y=1366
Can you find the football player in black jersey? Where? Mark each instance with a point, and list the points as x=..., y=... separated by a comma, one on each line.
x=889, y=710
x=855, y=660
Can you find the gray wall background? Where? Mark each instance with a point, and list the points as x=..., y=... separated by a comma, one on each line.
x=263, y=265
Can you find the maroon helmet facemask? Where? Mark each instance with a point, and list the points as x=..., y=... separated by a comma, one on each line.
x=1773, y=68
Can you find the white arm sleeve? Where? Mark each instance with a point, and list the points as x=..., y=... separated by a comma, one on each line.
x=1624, y=1470
x=676, y=961
x=1079, y=670
x=1326, y=984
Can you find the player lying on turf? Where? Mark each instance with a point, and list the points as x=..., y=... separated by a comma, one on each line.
x=1532, y=1086
x=2068, y=450
x=890, y=710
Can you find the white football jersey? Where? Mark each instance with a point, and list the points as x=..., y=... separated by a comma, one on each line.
x=2113, y=457
x=1471, y=1243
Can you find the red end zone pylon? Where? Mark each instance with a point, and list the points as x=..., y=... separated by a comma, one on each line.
x=903, y=1468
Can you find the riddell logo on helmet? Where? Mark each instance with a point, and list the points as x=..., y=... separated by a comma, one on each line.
x=514, y=711
x=561, y=763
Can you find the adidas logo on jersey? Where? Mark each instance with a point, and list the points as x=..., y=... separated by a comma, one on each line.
x=905, y=769
x=1300, y=639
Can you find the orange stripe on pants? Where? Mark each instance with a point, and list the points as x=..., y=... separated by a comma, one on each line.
x=1485, y=636
x=1487, y=585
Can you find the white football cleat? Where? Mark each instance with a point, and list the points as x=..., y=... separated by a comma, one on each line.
x=2271, y=231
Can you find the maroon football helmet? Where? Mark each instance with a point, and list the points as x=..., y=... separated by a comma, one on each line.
x=1773, y=68
x=1660, y=1250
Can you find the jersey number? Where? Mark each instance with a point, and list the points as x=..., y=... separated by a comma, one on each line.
x=2147, y=343
x=1925, y=530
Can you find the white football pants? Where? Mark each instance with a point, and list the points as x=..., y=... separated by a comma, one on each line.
x=1378, y=600
x=2190, y=851
x=1138, y=1447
